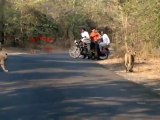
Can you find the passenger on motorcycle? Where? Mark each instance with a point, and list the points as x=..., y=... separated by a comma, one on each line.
x=105, y=40
x=95, y=38
x=85, y=38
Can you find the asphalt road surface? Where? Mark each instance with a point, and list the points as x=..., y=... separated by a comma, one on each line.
x=57, y=87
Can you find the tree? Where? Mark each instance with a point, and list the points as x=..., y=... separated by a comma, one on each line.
x=2, y=4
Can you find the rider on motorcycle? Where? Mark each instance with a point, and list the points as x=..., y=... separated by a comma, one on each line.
x=105, y=40
x=85, y=38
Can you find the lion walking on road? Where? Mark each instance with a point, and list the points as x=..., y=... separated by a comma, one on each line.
x=3, y=58
x=129, y=60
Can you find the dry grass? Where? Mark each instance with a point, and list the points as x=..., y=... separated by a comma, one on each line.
x=149, y=69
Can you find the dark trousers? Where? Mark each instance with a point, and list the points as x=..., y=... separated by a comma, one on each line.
x=95, y=48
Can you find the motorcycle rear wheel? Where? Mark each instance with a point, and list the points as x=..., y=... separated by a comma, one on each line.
x=106, y=54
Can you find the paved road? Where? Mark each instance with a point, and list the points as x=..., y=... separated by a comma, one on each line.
x=56, y=87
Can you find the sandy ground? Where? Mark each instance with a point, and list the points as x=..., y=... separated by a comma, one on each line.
x=16, y=51
x=146, y=72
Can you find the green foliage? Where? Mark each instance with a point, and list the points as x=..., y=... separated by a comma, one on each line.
x=142, y=24
x=24, y=21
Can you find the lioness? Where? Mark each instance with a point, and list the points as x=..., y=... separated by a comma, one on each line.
x=129, y=61
x=3, y=57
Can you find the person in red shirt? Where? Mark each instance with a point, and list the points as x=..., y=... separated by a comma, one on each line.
x=95, y=38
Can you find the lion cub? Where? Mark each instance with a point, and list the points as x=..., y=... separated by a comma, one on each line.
x=129, y=61
x=3, y=58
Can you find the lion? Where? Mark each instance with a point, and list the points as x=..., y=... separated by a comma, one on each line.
x=3, y=58
x=129, y=60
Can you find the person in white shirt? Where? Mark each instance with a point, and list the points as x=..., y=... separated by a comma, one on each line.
x=105, y=40
x=85, y=38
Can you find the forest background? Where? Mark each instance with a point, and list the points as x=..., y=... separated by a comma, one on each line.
x=129, y=23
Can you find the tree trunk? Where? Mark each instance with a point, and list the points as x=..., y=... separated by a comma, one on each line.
x=125, y=29
x=2, y=4
x=126, y=32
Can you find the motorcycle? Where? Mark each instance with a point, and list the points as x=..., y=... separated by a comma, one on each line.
x=78, y=49
x=97, y=54
x=104, y=53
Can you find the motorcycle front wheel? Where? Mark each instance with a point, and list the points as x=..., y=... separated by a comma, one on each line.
x=74, y=52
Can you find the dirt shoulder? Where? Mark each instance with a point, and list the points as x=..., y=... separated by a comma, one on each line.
x=146, y=72
x=16, y=51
